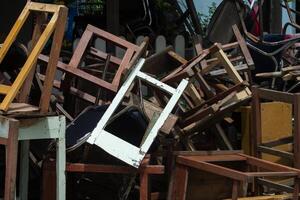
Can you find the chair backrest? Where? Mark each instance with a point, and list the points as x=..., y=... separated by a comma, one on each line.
x=55, y=25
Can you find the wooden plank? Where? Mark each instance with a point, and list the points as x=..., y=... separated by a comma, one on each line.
x=82, y=74
x=243, y=46
x=178, y=184
x=96, y=168
x=11, y=160
x=234, y=75
x=4, y=89
x=235, y=190
x=273, y=95
x=42, y=7
x=212, y=168
x=270, y=197
x=268, y=165
x=52, y=64
x=271, y=174
x=112, y=38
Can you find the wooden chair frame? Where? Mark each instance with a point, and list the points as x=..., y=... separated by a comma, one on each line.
x=206, y=162
x=56, y=25
x=145, y=171
x=82, y=46
x=119, y=148
x=269, y=148
x=132, y=54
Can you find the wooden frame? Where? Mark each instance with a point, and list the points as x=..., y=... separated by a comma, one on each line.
x=258, y=146
x=209, y=162
x=144, y=171
x=78, y=54
x=189, y=69
x=124, y=63
x=119, y=148
x=132, y=54
x=56, y=25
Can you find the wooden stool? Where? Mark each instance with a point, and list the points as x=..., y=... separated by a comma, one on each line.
x=24, y=130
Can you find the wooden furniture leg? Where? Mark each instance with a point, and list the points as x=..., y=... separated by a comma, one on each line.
x=61, y=165
x=296, y=136
x=296, y=189
x=11, y=160
x=24, y=169
x=144, y=186
x=27, y=129
x=180, y=183
x=235, y=190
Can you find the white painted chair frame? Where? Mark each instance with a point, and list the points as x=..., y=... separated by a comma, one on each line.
x=119, y=148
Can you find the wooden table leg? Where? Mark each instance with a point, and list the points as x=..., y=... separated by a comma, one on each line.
x=24, y=169
x=235, y=190
x=11, y=160
x=179, y=183
x=296, y=189
x=144, y=187
x=61, y=165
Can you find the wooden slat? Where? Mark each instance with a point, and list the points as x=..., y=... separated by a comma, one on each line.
x=112, y=38
x=205, y=166
x=275, y=95
x=82, y=74
x=4, y=89
x=95, y=168
x=268, y=165
x=52, y=64
x=42, y=7
x=271, y=174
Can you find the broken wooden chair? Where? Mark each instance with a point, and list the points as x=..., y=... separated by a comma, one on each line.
x=97, y=67
x=207, y=103
x=119, y=148
x=145, y=171
x=24, y=122
x=271, y=147
x=22, y=84
x=252, y=171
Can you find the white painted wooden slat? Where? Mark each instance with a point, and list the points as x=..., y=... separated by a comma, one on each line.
x=156, y=82
x=163, y=116
x=119, y=148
